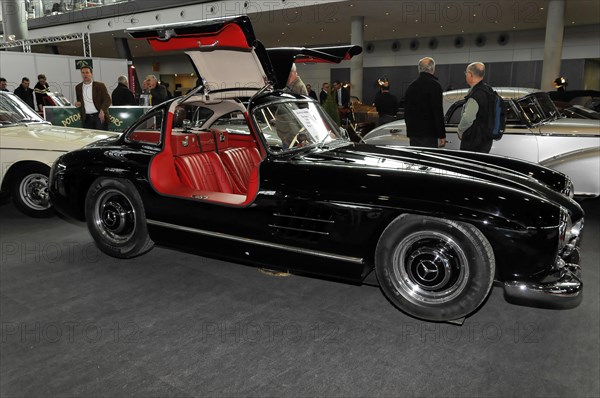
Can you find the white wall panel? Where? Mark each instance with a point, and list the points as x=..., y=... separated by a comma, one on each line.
x=13, y=67
x=54, y=68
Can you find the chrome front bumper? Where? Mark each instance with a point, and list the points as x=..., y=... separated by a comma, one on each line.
x=562, y=289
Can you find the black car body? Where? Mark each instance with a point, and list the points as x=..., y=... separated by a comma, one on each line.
x=267, y=179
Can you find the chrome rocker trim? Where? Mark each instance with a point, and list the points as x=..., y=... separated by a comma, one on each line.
x=563, y=293
x=355, y=260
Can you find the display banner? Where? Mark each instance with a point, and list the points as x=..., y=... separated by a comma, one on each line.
x=121, y=117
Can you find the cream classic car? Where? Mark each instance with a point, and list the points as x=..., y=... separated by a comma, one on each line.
x=28, y=147
x=535, y=131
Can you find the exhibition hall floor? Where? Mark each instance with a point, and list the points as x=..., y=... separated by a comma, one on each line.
x=77, y=323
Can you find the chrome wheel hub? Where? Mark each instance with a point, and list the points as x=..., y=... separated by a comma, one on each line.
x=33, y=190
x=115, y=217
x=429, y=267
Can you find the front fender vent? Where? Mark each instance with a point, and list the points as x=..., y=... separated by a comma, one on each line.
x=302, y=224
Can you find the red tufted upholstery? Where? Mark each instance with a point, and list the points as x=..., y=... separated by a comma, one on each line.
x=239, y=163
x=203, y=171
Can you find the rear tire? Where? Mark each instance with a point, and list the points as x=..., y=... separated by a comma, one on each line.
x=29, y=190
x=116, y=218
x=434, y=269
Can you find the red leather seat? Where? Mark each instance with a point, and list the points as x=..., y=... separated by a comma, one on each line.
x=239, y=163
x=203, y=171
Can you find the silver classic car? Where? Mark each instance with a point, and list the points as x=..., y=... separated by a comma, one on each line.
x=535, y=131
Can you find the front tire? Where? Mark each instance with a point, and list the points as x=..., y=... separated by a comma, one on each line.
x=29, y=190
x=434, y=269
x=116, y=218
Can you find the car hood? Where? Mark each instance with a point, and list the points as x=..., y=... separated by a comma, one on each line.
x=482, y=168
x=49, y=137
x=586, y=127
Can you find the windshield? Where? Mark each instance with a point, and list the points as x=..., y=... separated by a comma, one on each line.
x=59, y=99
x=538, y=108
x=13, y=110
x=290, y=125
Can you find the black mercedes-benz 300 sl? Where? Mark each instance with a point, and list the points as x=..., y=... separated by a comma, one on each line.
x=242, y=170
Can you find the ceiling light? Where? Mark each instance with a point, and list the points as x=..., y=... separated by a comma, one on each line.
x=387, y=13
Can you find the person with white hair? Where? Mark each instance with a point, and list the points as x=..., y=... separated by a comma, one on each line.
x=423, y=109
x=158, y=92
x=476, y=121
x=294, y=83
x=121, y=95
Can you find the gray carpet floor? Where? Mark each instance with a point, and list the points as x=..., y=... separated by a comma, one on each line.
x=76, y=323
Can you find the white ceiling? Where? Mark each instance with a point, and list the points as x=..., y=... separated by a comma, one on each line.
x=329, y=23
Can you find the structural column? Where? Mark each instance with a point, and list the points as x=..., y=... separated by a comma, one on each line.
x=356, y=64
x=14, y=21
x=553, y=43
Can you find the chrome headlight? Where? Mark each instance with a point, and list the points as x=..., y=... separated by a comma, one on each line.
x=564, y=228
x=569, y=189
x=577, y=228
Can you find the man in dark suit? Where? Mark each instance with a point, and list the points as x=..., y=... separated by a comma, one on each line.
x=93, y=101
x=386, y=105
x=122, y=95
x=423, y=109
x=323, y=93
x=342, y=95
x=311, y=92
x=25, y=93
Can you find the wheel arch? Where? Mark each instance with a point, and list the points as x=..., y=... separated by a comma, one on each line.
x=384, y=227
x=86, y=182
x=10, y=173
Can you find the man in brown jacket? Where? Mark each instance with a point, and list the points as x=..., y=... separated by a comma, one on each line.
x=93, y=101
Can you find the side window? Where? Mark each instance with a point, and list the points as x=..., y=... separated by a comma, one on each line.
x=201, y=115
x=233, y=122
x=512, y=119
x=147, y=131
x=455, y=114
x=197, y=116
